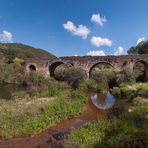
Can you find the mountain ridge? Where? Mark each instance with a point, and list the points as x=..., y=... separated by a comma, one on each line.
x=23, y=51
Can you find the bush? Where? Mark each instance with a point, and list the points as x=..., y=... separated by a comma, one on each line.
x=19, y=61
x=128, y=93
x=139, y=101
x=107, y=75
x=60, y=73
x=89, y=85
x=102, y=86
x=92, y=85
x=125, y=77
x=11, y=73
x=116, y=92
x=142, y=88
x=75, y=76
x=34, y=78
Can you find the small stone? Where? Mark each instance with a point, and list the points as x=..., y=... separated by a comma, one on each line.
x=130, y=110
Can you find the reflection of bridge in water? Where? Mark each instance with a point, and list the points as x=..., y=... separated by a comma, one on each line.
x=87, y=63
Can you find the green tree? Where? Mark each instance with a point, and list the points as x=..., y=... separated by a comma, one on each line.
x=141, y=48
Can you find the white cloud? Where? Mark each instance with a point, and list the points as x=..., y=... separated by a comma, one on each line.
x=140, y=40
x=81, y=30
x=96, y=18
x=119, y=51
x=96, y=53
x=6, y=37
x=98, y=41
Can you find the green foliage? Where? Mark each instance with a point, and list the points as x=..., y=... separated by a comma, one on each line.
x=105, y=75
x=143, y=88
x=75, y=76
x=116, y=92
x=51, y=92
x=88, y=85
x=113, y=132
x=128, y=93
x=77, y=94
x=11, y=73
x=86, y=136
x=12, y=50
x=34, y=78
x=61, y=72
x=92, y=85
x=20, y=94
x=102, y=86
x=19, y=120
x=141, y=102
x=124, y=92
x=125, y=77
x=141, y=48
x=19, y=61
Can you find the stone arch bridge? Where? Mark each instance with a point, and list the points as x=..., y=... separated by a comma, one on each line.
x=86, y=63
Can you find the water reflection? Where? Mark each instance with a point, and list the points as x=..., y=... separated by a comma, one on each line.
x=103, y=101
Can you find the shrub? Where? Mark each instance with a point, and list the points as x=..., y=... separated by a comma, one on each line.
x=11, y=73
x=106, y=75
x=102, y=86
x=92, y=85
x=142, y=88
x=88, y=85
x=128, y=93
x=60, y=73
x=116, y=92
x=34, y=78
x=75, y=76
x=19, y=61
x=139, y=101
x=124, y=77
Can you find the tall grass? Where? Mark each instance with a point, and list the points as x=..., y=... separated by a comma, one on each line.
x=111, y=132
x=17, y=120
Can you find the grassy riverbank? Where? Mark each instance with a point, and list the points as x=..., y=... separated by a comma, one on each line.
x=122, y=130
x=23, y=117
x=126, y=91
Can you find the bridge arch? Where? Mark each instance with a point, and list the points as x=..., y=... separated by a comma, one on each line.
x=98, y=63
x=53, y=67
x=32, y=67
x=145, y=69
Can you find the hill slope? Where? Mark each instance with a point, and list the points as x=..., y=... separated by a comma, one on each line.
x=23, y=51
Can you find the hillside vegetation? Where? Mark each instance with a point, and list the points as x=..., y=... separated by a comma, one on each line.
x=23, y=51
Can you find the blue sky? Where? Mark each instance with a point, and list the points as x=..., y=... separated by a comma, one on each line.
x=75, y=27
